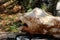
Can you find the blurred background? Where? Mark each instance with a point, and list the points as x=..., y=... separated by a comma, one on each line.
x=27, y=5
x=10, y=9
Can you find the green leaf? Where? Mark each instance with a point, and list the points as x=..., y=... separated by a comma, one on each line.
x=29, y=10
x=13, y=28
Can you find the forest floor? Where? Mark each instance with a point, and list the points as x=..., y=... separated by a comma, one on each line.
x=7, y=22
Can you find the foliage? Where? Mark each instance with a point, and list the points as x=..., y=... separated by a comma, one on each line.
x=44, y=6
x=27, y=4
x=13, y=28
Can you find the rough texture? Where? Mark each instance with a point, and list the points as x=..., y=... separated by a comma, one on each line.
x=39, y=22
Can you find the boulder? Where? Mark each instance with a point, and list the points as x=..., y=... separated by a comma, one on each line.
x=40, y=22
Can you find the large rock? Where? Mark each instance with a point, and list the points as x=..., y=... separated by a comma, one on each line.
x=40, y=22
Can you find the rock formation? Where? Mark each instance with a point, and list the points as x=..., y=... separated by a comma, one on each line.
x=40, y=22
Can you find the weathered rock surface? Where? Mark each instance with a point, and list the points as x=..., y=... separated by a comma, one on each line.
x=40, y=22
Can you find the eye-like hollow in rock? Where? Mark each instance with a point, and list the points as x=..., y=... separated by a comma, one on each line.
x=25, y=25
